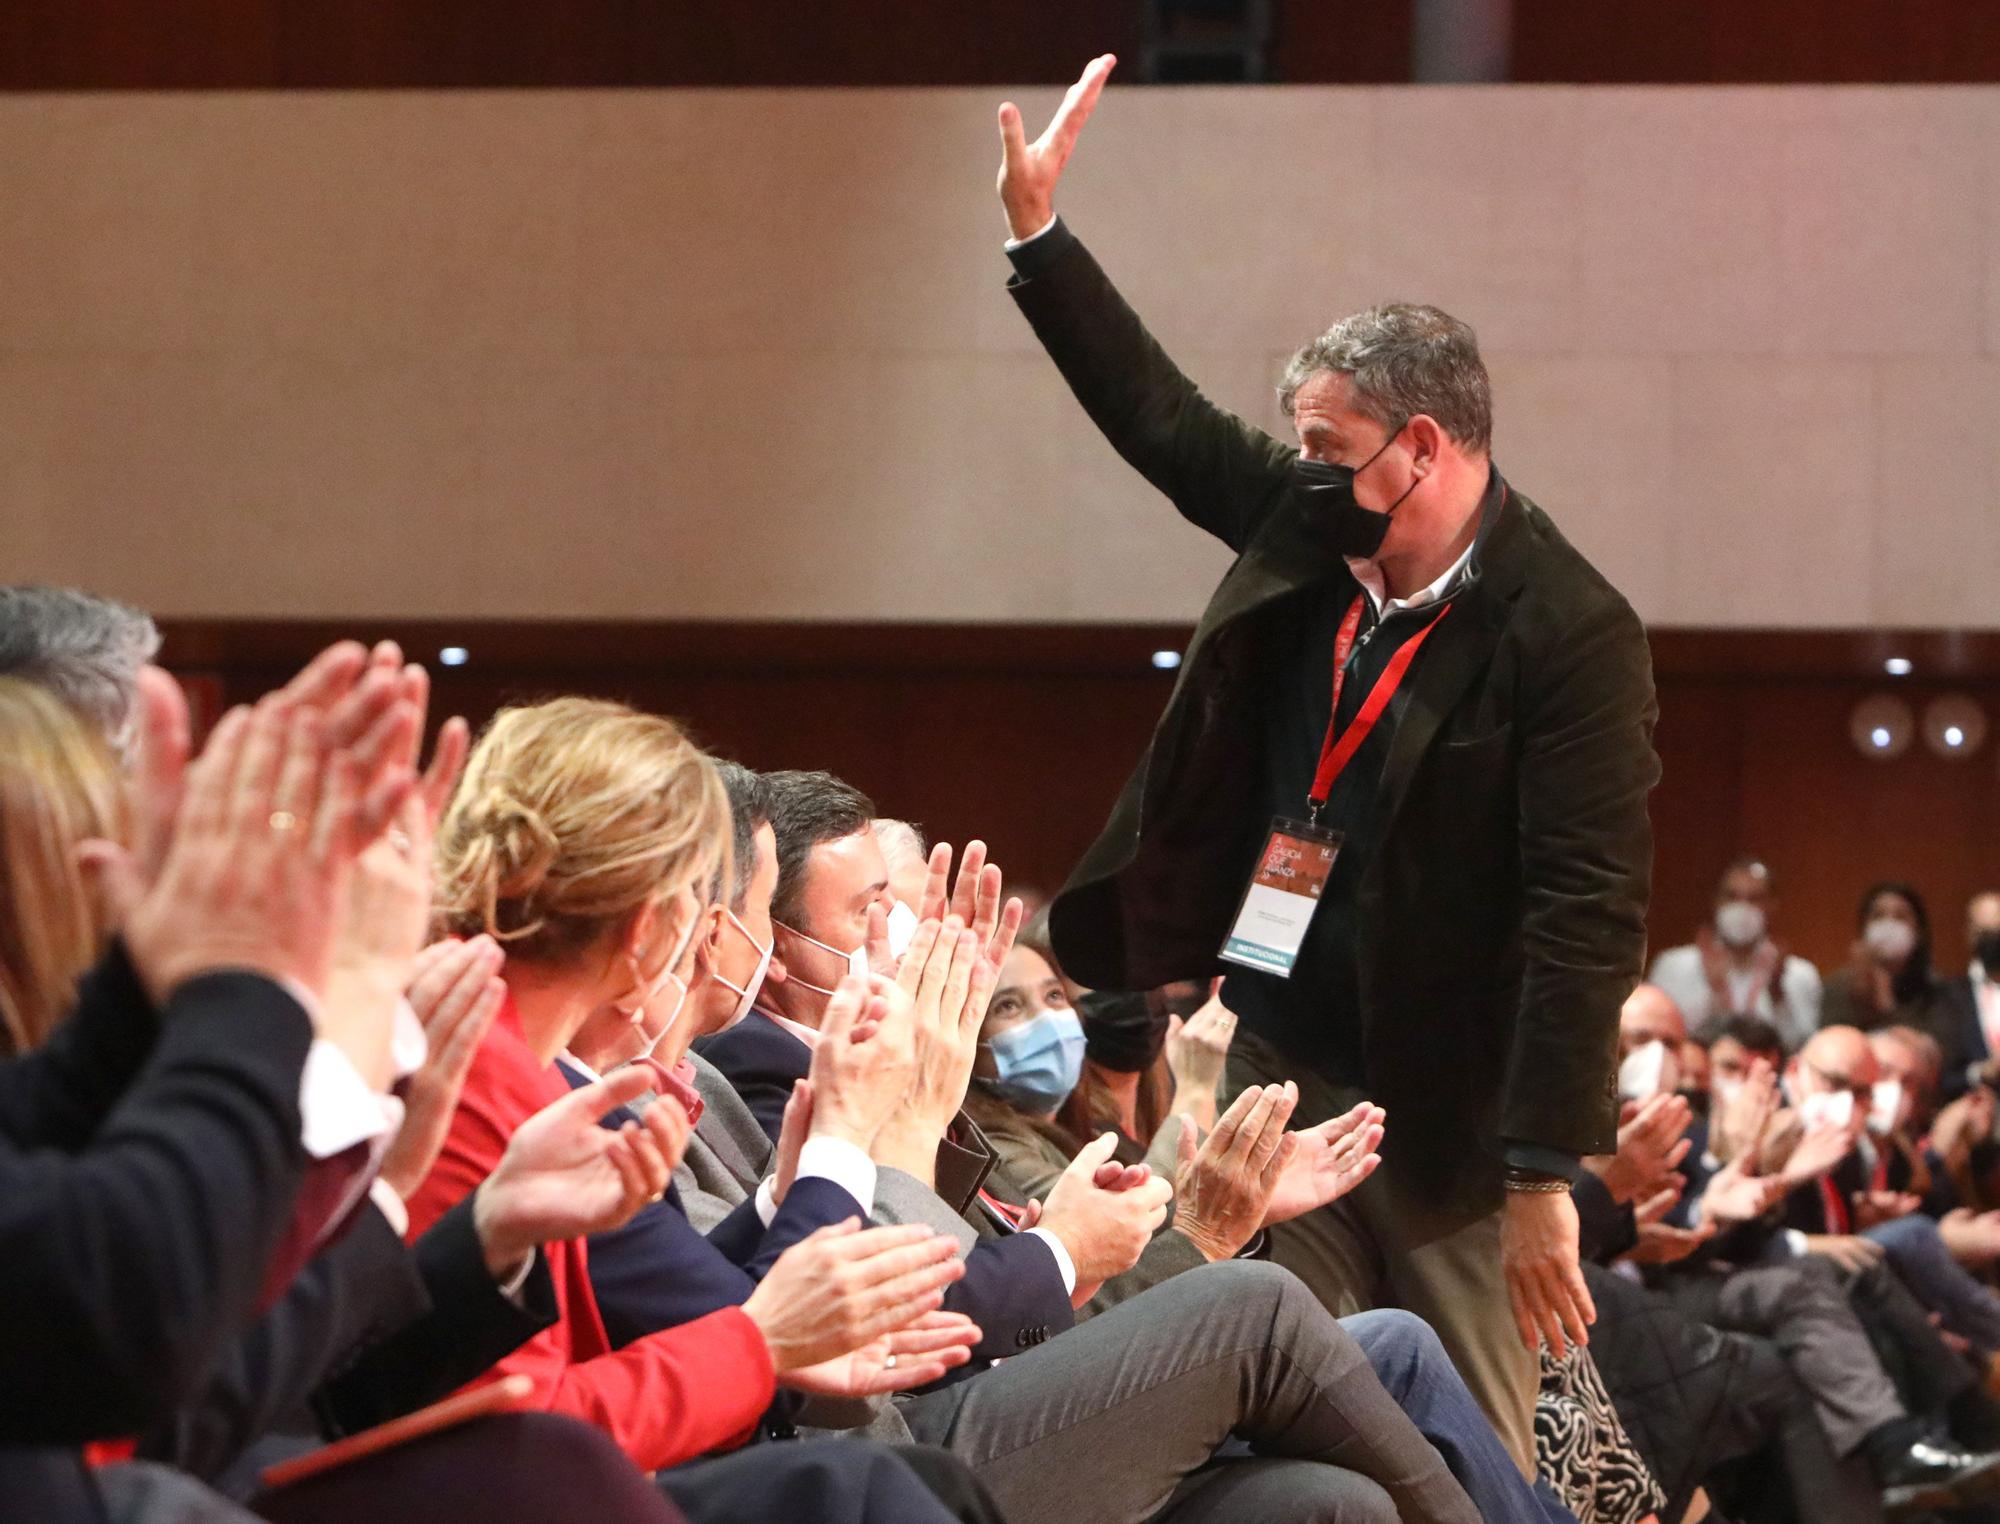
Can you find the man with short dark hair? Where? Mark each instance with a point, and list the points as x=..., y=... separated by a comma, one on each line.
x=1411, y=740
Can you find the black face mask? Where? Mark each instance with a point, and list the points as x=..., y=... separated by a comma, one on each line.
x=1328, y=494
x=1986, y=948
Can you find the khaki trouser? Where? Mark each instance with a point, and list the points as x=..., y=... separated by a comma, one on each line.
x=1383, y=1246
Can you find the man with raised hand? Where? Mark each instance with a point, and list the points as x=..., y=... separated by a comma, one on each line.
x=1400, y=790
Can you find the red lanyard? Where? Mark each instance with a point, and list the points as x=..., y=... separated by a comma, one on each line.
x=1339, y=747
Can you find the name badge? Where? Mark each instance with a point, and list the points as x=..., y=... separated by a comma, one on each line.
x=1283, y=894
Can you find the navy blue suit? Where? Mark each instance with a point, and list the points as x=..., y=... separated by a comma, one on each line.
x=1012, y=1288
x=763, y=1062
x=659, y=1271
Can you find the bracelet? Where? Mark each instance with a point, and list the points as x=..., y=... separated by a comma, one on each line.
x=1549, y=1187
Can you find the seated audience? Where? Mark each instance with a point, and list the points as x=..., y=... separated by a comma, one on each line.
x=1888, y=979
x=827, y=862
x=587, y=839
x=157, y=1125
x=1970, y=1027
x=1736, y=966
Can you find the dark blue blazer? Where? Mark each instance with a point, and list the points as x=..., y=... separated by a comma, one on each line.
x=659, y=1271
x=1012, y=1288
x=763, y=1061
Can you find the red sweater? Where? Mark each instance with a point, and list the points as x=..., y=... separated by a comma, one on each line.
x=665, y=1398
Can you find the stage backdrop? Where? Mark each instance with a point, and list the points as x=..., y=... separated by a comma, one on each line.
x=747, y=355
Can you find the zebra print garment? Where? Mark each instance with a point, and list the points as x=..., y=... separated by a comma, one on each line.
x=1582, y=1450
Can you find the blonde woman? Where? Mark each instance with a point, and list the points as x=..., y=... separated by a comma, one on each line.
x=588, y=840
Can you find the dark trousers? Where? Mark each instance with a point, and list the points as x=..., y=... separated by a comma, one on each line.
x=1803, y=1308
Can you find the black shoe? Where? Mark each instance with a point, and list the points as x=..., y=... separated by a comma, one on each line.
x=1937, y=1474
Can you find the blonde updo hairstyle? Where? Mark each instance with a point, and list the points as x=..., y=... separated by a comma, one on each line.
x=572, y=816
x=59, y=787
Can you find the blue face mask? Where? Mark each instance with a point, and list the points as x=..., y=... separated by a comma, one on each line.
x=1039, y=1061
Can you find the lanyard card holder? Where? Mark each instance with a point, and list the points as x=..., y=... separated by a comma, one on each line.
x=1283, y=893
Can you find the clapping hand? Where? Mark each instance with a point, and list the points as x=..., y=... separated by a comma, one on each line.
x=1327, y=1162
x=456, y=991
x=1197, y=1053
x=1735, y=1195
x=1105, y=1214
x=242, y=860
x=836, y=1292
x=1650, y=1148
x=1821, y=1147
x=565, y=1176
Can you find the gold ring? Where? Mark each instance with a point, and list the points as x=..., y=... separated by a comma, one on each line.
x=283, y=820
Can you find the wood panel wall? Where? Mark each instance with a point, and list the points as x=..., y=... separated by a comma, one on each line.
x=1023, y=735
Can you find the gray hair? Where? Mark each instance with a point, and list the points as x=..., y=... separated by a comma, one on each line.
x=749, y=811
x=85, y=650
x=899, y=839
x=1403, y=359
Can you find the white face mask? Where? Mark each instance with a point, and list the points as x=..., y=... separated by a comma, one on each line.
x=1835, y=1108
x=1885, y=1106
x=902, y=927
x=1724, y=1089
x=1640, y=1075
x=1740, y=924
x=856, y=961
x=1890, y=939
x=666, y=975
x=746, y=993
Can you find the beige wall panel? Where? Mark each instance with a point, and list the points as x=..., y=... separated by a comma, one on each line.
x=748, y=354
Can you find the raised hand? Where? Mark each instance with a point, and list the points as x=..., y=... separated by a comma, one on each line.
x=864, y=1060
x=1650, y=1146
x=1197, y=1053
x=1329, y=1160
x=838, y=1290
x=456, y=993
x=565, y=1176
x=792, y=1135
x=263, y=844
x=1740, y=1125
x=1029, y=171
x=1818, y=1150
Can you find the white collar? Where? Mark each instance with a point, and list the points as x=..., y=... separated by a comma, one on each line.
x=805, y=1034
x=590, y=1075
x=1978, y=975
x=1369, y=575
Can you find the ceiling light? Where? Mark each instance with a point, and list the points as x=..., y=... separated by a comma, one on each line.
x=1882, y=726
x=1898, y=666
x=1166, y=661
x=1954, y=726
x=454, y=656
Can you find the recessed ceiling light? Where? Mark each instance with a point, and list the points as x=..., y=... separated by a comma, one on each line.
x=1898, y=666
x=454, y=656
x=1881, y=737
x=1166, y=661
x=1954, y=737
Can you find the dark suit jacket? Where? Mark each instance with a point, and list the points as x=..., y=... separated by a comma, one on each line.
x=763, y=1062
x=1502, y=914
x=148, y=1169
x=1959, y=1035
x=370, y=1330
x=658, y=1271
x=1011, y=1289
